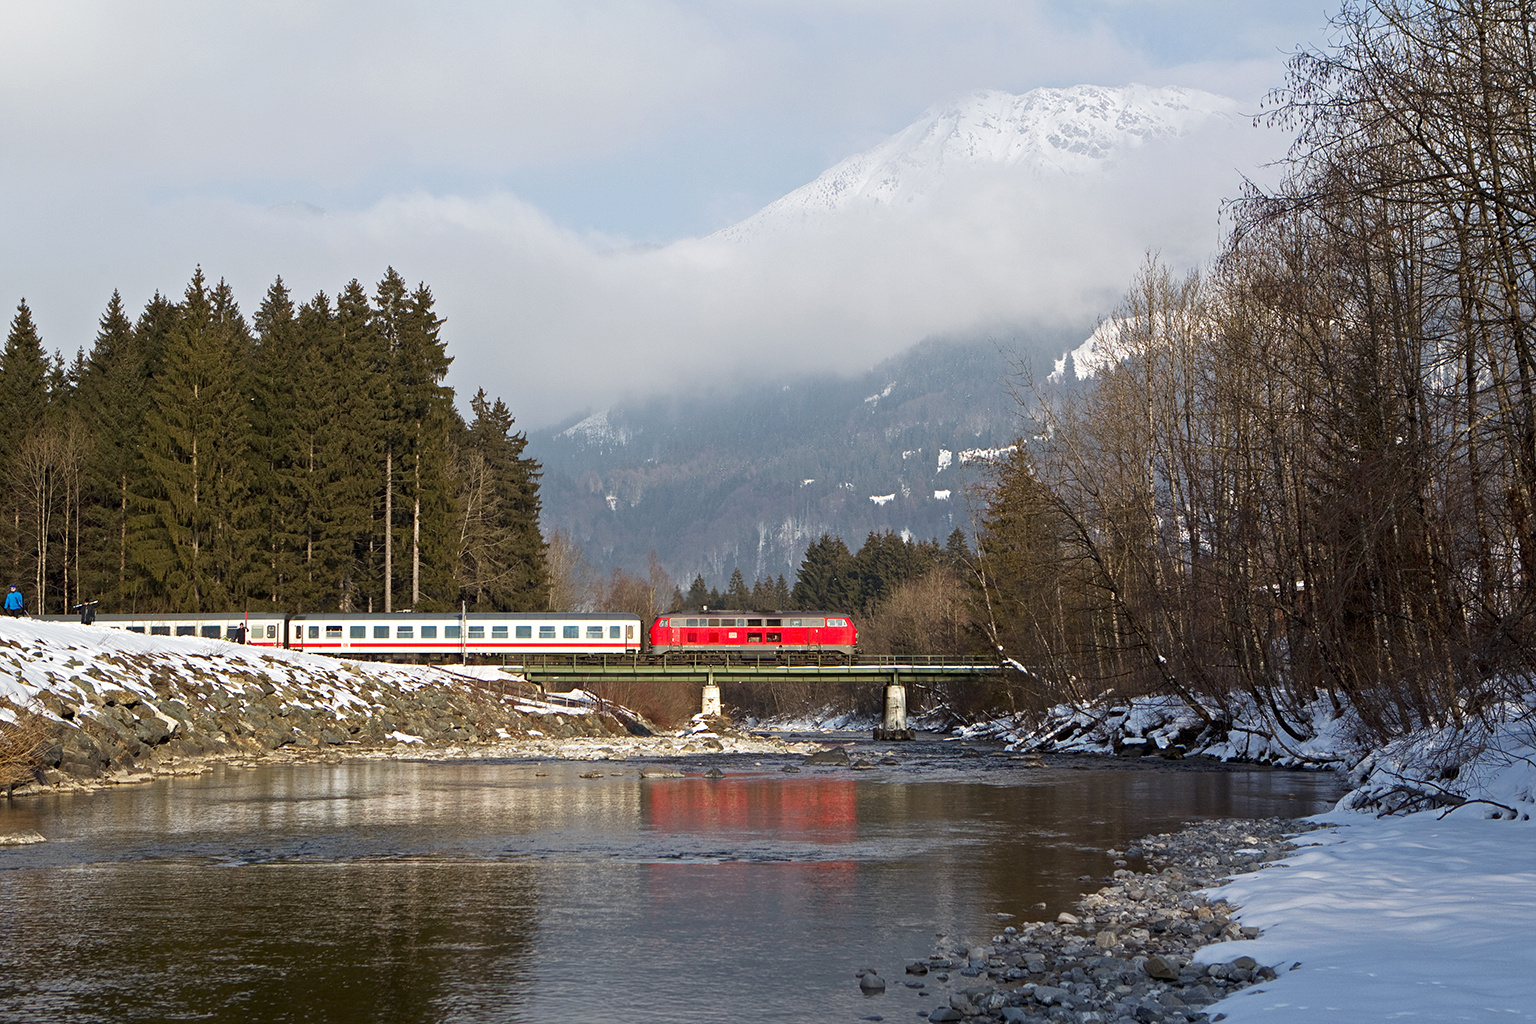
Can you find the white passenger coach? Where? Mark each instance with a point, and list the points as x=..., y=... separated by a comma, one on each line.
x=479, y=633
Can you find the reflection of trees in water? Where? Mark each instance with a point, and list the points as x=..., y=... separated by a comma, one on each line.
x=373, y=941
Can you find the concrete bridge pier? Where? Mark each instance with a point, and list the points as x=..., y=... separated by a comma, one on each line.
x=712, y=707
x=894, y=724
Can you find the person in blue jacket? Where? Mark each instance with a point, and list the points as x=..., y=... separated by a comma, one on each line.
x=15, y=604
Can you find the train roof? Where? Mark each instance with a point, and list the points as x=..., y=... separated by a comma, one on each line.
x=796, y=613
x=471, y=616
x=353, y=616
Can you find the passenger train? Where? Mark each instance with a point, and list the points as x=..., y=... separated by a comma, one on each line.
x=514, y=636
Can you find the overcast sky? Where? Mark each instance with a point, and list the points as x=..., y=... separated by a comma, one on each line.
x=540, y=165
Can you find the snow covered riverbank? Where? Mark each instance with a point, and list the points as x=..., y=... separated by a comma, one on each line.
x=1411, y=918
x=104, y=706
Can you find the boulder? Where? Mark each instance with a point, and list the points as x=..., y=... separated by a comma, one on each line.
x=151, y=731
x=1161, y=969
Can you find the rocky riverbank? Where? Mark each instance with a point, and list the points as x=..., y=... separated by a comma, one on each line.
x=1138, y=951
x=95, y=706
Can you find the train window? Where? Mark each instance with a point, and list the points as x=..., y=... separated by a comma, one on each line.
x=629, y=632
x=714, y=622
x=405, y=632
x=477, y=632
x=792, y=622
x=834, y=623
x=498, y=632
x=235, y=633
x=546, y=632
x=212, y=632
x=429, y=632
x=381, y=632
x=186, y=630
x=613, y=632
x=271, y=632
x=333, y=632
x=314, y=632
x=135, y=629
x=754, y=638
x=772, y=638
x=754, y=622
x=357, y=632
x=692, y=622
x=159, y=630
x=594, y=632
x=525, y=632
x=452, y=632
x=773, y=622
x=572, y=632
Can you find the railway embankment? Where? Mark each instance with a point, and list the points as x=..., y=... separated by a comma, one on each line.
x=94, y=706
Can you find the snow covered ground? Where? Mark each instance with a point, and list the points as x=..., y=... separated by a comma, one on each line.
x=1415, y=918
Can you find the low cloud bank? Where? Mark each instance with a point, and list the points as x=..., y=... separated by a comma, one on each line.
x=556, y=321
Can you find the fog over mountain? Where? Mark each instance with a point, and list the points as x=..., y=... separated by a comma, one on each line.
x=748, y=477
x=991, y=215
x=1008, y=225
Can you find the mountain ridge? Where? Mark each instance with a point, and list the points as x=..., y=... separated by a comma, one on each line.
x=1069, y=131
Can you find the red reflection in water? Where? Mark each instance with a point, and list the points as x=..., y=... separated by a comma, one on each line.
x=822, y=809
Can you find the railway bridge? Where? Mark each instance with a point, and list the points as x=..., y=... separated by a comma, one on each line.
x=894, y=673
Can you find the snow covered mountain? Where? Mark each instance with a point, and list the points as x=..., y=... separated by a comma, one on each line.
x=1042, y=133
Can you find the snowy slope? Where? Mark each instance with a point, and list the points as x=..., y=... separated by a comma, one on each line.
x=1093, y=355
x=1043, y=133
x=117, y=701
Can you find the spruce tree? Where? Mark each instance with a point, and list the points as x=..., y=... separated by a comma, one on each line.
x=826, y=580
x=501, y=558
x=194, y=534
x=274, y=408
x=390, y=312
x=355, y=442
x=736, y=595
x=24, y=369
x=427, y=417
x=112, y=398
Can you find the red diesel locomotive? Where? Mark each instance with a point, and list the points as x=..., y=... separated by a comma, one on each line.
x=753, y=634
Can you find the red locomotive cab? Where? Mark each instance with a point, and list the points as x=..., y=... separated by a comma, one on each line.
x=753, y=635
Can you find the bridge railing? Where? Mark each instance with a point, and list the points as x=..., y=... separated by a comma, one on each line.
x=807, y=659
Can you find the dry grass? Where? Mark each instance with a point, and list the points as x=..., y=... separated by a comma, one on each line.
x=22, y=744
x=666, y=705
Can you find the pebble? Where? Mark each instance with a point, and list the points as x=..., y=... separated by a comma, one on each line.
x=1124, y=955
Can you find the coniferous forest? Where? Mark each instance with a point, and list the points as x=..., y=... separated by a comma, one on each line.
x=308, y=458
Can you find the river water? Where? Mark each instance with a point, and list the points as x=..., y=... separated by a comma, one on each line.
x=518, y=891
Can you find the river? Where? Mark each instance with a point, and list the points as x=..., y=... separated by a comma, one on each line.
x=519, y=891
